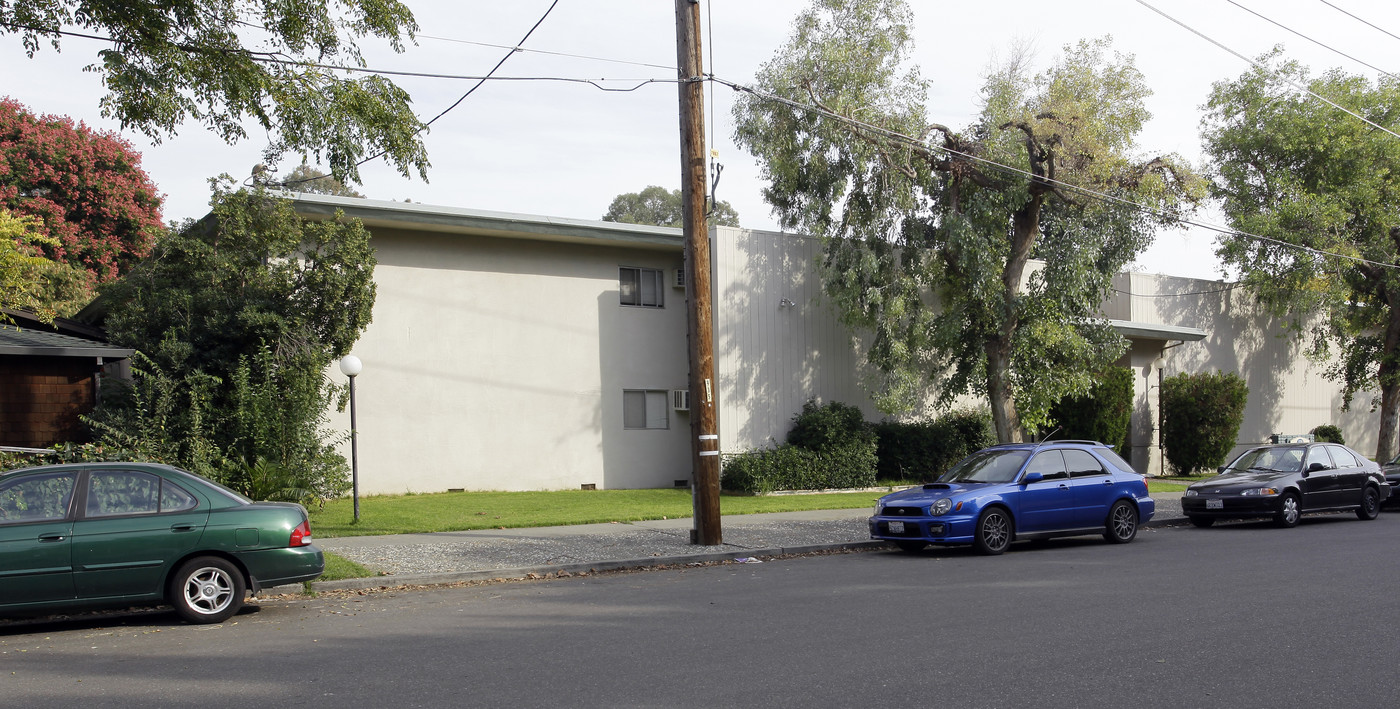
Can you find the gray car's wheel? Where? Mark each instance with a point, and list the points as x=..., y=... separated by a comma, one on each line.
x=993, y=533
x=1289, y=510
x=911, y=545
x=207, y=589
x=1370, y=507
x=1122, y=523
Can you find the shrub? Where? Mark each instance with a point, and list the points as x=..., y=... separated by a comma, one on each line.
x=1327, y=433
x=791, y=467
x=924, y=450
x=1201, y=417
x=1104, y=414
x=820, y=427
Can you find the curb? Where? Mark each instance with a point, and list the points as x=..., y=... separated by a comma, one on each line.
x=588, y=567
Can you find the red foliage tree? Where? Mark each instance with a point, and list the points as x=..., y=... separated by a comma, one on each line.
x=86, y=187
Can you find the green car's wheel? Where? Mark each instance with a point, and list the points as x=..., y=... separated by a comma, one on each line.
x=207, y=589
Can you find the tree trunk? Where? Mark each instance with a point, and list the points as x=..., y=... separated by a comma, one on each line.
x=1389, y=378
x=1004, y=416
x=1025, y=227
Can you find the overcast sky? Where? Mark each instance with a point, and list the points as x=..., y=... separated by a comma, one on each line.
x=566, y=149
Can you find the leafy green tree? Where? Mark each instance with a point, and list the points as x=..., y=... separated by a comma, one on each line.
x=238, y=316
x=29, y=280
x=85, y=189
x=223, y=62
x=655, y=206
x=251, y=273
x=930, y=232
x=1103, y=414
x=1323, y=187
x=306, y=178
x=1201, y=418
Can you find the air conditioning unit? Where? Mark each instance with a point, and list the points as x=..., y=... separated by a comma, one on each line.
x=678, y=278
x=680, y=399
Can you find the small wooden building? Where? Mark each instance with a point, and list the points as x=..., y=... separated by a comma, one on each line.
x=50, y=375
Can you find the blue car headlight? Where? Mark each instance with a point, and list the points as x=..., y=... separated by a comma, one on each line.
x=1254, y=491
x=940, y=507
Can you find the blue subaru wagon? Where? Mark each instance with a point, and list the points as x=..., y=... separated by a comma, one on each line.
x=1019, y=491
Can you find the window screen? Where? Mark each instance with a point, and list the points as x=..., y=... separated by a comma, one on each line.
x=641, y=286
x=643, y=408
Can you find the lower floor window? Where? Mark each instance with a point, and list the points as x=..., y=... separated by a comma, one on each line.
x=644, y=408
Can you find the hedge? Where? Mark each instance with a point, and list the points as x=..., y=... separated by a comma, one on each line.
x=791, y=467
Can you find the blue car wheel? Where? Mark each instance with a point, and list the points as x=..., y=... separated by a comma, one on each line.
x=993, y=533
x=1122, y=523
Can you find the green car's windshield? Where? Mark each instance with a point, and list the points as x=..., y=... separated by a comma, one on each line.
x=1274, y=460
x=987, y=467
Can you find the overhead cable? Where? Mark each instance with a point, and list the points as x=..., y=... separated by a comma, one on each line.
x=1271, y=72
x=1009, y=169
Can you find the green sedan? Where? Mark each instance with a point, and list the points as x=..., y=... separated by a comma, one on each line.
x=122, y=534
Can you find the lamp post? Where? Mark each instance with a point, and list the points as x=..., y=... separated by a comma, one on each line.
x=350, y=366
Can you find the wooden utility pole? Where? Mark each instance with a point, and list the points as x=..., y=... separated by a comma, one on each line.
x=704, y=423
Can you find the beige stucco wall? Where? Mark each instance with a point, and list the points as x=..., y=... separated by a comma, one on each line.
x=498, y=356
x=499, y=364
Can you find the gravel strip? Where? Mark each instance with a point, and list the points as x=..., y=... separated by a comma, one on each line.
x=479, y=554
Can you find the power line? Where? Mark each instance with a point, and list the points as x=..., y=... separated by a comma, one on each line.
x=518, y=48
x=1271, y=72
x=473, y=89
x=1358, y=19
x=1310, y=39
x=1008, y=169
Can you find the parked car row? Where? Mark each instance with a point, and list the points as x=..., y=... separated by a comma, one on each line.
x=1022, y=491
x=124, y=534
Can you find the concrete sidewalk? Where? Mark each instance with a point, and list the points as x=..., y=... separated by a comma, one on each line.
x=450, y=557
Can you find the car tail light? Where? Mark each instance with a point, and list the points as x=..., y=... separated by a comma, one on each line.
x=1145, y=491
x=301, y=536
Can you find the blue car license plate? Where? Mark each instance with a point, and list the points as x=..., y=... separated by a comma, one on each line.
x=896, y=528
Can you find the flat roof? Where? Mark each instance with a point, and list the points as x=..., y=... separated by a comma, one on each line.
x=1157, y=331
x=457, y=220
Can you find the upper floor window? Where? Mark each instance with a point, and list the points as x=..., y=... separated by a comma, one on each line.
x=641, y=286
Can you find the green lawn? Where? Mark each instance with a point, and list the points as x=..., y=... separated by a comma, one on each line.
x=455, y=511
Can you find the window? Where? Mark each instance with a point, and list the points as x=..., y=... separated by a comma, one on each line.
x=644, y=409
x=1317, y=455
x=1050, y=464
x=133, y=493
x=1342, y=457
x=36, y=498
x=1081, y=464
x=641, y=287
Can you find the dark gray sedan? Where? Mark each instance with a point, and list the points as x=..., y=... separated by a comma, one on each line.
x=1284, y=481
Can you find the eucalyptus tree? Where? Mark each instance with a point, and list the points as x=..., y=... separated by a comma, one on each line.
x=1323, y=187
x=932, y=234
x=224, y=62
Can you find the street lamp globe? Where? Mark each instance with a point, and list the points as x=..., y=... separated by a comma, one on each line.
x=350, y=365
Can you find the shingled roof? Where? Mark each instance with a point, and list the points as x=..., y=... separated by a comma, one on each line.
x=34, y=342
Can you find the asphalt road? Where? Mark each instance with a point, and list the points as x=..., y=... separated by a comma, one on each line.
x=1241, y=615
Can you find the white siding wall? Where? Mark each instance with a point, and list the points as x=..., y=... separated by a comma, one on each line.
x=499, y=364
x=1287, y=392
x=770, y=358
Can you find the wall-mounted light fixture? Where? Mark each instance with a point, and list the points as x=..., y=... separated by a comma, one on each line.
x=785, y=303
